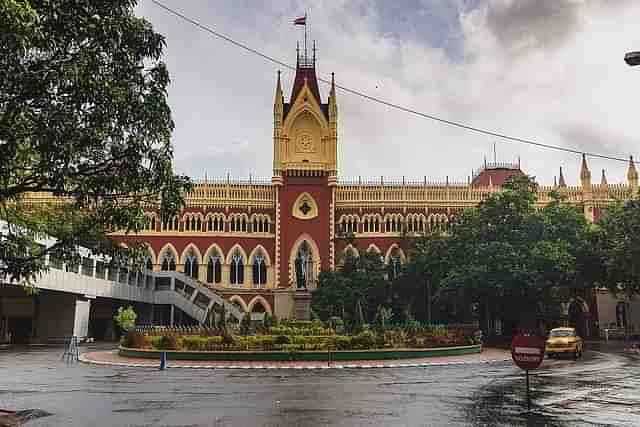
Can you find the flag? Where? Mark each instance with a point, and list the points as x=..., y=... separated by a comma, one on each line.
x=300, y=21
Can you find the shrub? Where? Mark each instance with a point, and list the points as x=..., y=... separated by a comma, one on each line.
x=170, y=342
x=133, y=339
x=154, y=341
x=245, y=324
x=364, y=340
x=126, y=318
x=227, y=338
x=196, y=343
x=282, y=339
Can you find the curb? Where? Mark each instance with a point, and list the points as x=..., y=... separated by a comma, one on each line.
x=84, y=359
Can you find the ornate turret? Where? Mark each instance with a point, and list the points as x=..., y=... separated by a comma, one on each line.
x=603, y=180
x=305, y=129
x=561, y=183
x=333, y=106
x=585, y=176
x=278, y=104
x=632, y=176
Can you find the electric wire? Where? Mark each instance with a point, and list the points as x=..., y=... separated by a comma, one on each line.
x=389, y=104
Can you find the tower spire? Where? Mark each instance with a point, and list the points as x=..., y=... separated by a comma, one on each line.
x=603, y=180
x=561, y=182
x=278, y=102
x=585, y=175
x=632, y=175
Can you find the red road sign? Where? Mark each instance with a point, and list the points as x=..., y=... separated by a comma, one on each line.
x=527, y=351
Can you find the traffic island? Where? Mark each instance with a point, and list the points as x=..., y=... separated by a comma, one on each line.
x=431, y=359
x=314, y=343
x=303, y=356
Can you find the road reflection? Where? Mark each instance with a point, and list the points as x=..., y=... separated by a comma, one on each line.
x=601, y=389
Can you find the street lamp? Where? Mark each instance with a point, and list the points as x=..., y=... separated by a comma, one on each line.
x=632, y=58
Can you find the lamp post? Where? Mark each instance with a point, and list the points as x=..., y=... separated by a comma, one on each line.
x=632, y=58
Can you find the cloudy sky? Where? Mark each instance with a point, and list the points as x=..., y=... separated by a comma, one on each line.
x=548, y=70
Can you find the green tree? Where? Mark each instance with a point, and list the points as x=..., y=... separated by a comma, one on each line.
x=426, y=268
x=357, y=279
x=83, y=118
x=126, y=318
x=512, y=260
x=618, y=239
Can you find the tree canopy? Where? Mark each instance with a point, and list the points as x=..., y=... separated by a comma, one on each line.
x=514, y=260
x=507, y=259
x=618, y=242
x=83, y=118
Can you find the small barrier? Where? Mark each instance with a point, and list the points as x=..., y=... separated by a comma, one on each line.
x=72, y=353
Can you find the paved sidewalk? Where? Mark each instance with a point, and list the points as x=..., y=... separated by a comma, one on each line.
x=488, y=355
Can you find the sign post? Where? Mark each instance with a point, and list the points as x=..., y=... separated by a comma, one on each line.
x=527, y=351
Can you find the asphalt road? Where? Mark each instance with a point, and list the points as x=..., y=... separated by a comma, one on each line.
x=601, y=389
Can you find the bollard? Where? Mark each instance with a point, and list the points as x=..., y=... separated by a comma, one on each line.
x=163, y=360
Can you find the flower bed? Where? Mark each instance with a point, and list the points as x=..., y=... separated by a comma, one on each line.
x=311, y=341
x=279, y=356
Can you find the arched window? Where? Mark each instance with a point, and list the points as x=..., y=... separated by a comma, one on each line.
x=237, y=268
x=214, y=269
x=191, y=265
x=168, y=262
x=148, y=264
x=258, y=308
x=259, y=269
x=304, y=266
x=152, y=226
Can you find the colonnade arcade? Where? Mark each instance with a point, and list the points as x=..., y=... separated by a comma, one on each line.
x=237, y=269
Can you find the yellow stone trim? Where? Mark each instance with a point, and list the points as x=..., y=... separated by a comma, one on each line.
x=310, y=201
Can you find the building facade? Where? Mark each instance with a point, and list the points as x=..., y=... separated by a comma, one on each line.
x=262, y=244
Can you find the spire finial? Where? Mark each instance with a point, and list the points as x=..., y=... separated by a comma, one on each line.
x=603, y=180
x=584, y=169
x=561, y=182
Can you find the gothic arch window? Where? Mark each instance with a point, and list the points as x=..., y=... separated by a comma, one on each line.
x=168, y=261
x=214, y=269
x=259, y=269
x=191, y=264
x=148, y=264
x=258, y=308
x=349, y=224
x=304, y=267
x=237, y=268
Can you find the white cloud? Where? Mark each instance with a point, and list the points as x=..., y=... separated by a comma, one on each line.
x=550, y=71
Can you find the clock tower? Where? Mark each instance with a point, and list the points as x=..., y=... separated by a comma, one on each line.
x=305, y=175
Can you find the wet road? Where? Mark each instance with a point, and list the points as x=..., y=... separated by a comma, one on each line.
x=601, y=389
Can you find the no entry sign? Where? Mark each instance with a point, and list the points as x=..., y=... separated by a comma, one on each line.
x=527, y=351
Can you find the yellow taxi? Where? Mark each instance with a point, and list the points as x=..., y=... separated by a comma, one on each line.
x=564, y=341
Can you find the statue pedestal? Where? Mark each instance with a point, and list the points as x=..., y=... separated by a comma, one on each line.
x=302, y=305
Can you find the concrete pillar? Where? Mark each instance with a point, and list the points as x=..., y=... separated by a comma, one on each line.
x=172, y=315
x=81, y=318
